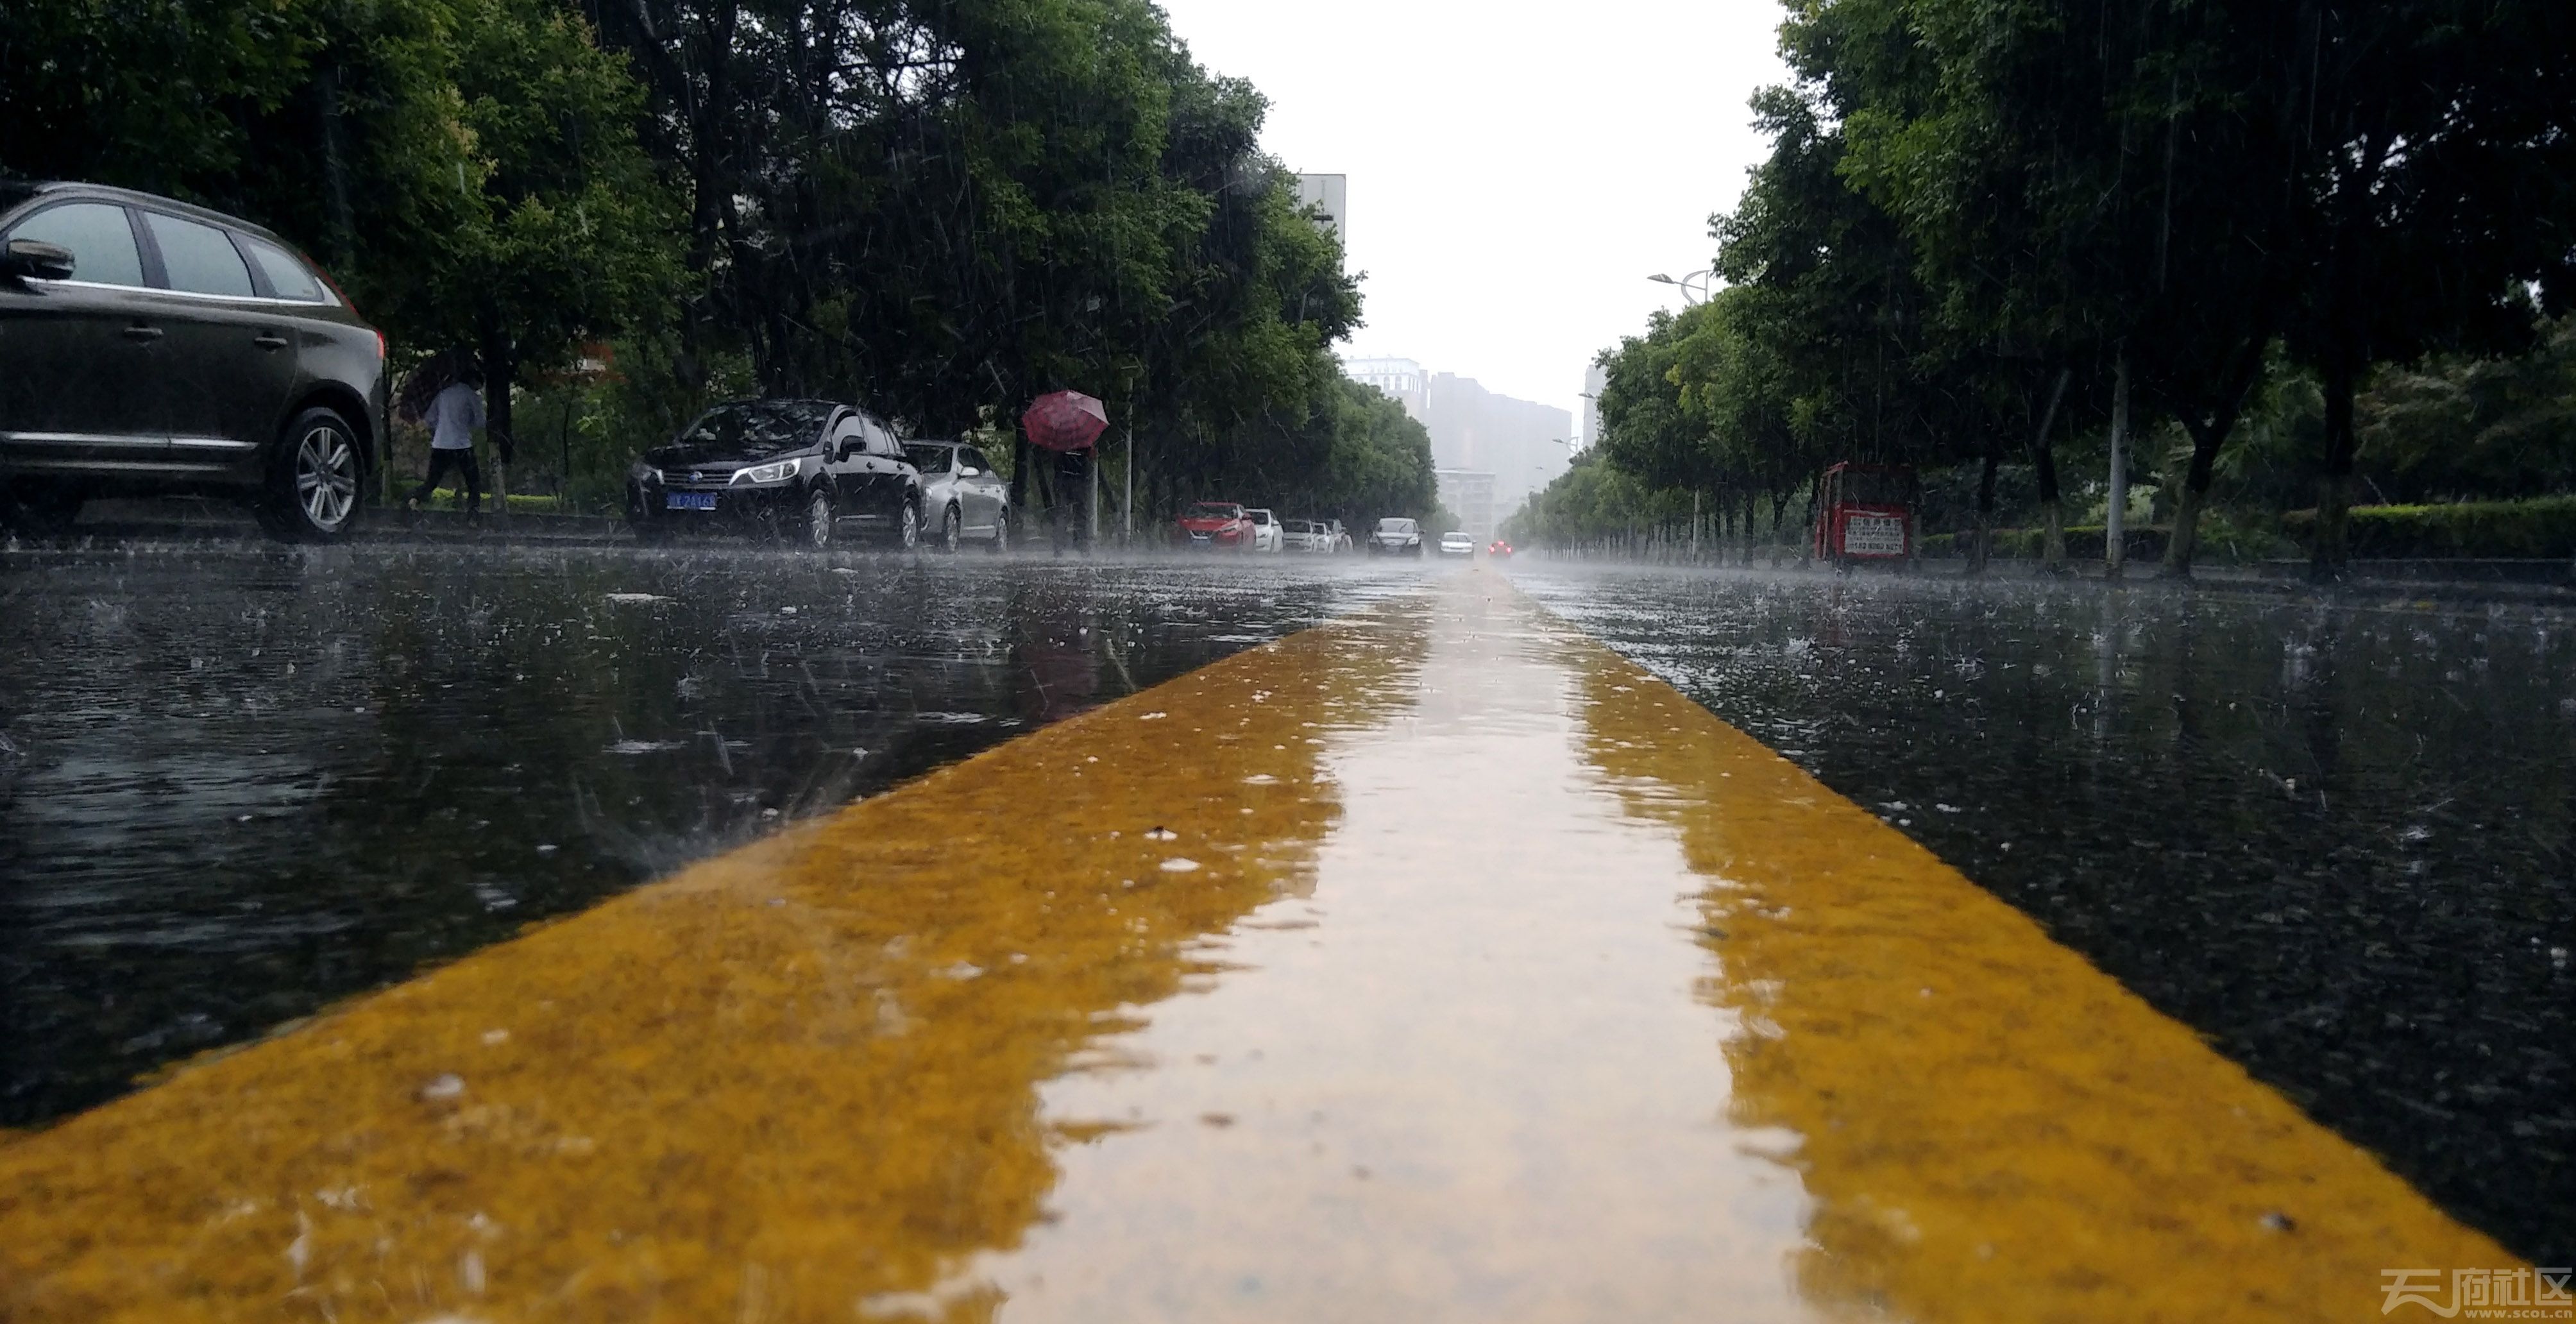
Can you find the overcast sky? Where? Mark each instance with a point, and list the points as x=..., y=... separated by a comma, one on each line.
x=1516, y=170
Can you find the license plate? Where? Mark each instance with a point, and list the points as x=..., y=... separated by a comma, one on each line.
x=688, y=500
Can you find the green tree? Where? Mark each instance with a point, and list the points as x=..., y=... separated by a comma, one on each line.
x=2433, y=183
x=945, y=209
x=468, y=168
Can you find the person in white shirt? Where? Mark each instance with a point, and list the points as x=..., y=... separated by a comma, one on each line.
x=454, y=415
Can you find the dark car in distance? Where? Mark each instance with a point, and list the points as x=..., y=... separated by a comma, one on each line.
x=149, y=347
x=798, y=470
x=1396, y=535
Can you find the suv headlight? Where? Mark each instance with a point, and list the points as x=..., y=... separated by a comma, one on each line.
x=642, y=472
x=777, y=472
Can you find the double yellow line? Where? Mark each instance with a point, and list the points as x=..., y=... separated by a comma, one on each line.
x=804, y=1080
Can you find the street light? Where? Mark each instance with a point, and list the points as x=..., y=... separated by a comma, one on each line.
x=1694, y=287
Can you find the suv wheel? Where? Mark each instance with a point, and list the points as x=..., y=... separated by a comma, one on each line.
x=819, y=518
x=313, y=483
x=1002, y=531
x=907, y=525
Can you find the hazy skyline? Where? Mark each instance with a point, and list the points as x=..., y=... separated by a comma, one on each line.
x=1514, y=176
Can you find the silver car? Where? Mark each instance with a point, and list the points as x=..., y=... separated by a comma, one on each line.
x=961, y=496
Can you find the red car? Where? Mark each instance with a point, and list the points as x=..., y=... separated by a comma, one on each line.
x=1498, y=550
x=1214, y=524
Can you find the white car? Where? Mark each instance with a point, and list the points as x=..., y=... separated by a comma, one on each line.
x=1457, y=543
x=1298, y=535
x=1331, y=538
x=1266, y=533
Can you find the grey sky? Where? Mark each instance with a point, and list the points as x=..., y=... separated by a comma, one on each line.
x=1517, y=170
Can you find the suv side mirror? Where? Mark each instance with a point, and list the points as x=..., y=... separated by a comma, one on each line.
x=967, y=471
x=34, y=259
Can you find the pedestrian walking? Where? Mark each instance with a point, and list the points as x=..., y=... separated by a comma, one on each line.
x=454, y=414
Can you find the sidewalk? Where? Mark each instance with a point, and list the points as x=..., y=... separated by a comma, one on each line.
x=200, y=517
x=2539, y=582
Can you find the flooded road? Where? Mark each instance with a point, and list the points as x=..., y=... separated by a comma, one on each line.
x=1436, y=964
x=237, y=784
x=2340, y=840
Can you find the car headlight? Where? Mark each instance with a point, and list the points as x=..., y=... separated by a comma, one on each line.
x=777, y=472
x=642, y=472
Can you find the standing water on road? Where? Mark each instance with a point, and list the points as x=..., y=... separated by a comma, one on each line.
x=236, y=785
x=2335, y=837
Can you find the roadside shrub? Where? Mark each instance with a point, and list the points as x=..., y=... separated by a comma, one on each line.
x=2540, y=527
x=2084, y=542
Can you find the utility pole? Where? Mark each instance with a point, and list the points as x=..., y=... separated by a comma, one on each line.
x=2116, y=515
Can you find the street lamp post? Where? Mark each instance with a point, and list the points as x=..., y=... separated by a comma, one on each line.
x=1694, y=287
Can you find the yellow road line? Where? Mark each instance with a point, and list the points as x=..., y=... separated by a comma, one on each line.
x=1993, y=1127
x=805, y=1081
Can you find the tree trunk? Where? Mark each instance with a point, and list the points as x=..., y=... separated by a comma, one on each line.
x=2043, y=457
x=335, y=168
x=2205, y=440
x=500, y=370
x=1984, y=545
x=1751, y=509
x=2334, y=482
x=1019, y=476
x=2115, y=514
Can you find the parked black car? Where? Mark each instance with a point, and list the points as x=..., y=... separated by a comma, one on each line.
x=151, y=347
x=806, y=470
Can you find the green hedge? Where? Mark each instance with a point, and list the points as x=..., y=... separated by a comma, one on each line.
x=2084, y=542
x=449, y=498
x=2540, y=527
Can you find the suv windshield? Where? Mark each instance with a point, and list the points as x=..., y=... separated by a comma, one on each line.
x=762, y=427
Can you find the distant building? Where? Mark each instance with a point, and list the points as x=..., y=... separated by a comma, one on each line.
x=1522, y=443
x=1519, y=446
x=1469, y=495
x=1330, y=195
x=1401, y=378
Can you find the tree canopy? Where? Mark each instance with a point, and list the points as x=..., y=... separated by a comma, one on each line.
x=1977, y=211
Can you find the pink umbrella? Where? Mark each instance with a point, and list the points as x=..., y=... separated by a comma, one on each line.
x=1065, y=421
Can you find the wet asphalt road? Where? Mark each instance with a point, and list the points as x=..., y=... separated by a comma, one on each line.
x=237, y=784
x=2335, y=839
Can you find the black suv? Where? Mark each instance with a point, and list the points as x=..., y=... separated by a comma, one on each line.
x=149, y=347
x=796, y=469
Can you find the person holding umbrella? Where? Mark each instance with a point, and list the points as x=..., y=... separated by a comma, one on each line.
x=1068, y=423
